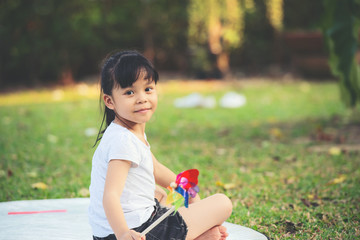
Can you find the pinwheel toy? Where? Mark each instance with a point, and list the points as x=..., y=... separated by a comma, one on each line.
x=180, y=191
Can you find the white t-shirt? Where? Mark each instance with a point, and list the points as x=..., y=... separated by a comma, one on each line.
x=137, y=199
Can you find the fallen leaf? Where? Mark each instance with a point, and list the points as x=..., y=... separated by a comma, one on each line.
x=219, y=184
x=276, y=133
x=228, y=186
x=306, y=202
x=335, y=151
x=337, y=180
x=311, y=196
x=39, y=185
x=276, y=158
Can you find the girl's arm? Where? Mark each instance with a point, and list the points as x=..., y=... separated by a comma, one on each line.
x=114, y=185
x=164, y=176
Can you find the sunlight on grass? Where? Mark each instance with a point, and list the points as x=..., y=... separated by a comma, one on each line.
x=289, y=159
x=58, y=94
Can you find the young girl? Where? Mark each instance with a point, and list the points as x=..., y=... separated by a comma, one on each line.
x=123, y=192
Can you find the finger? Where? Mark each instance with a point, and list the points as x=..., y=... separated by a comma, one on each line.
x=136, y=236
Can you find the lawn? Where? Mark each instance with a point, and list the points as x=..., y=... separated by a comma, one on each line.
x=289, y=159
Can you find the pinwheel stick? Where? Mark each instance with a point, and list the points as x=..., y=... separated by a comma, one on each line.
x=186, y=182
x=159, y=220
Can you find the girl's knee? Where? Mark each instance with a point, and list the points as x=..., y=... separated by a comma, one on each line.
x=224, y=203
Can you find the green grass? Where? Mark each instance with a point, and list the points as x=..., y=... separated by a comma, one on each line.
x=261, y=155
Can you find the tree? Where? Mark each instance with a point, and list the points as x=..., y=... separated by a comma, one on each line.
x=341, y=33
x=216, y=29
x=215, y=26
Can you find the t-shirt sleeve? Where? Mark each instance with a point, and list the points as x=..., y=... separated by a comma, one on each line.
x=122, y=147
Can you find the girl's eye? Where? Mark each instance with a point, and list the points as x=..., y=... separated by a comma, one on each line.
x=148, y=89
x=130, y=92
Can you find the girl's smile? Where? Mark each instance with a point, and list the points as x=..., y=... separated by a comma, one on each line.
x=144, y=110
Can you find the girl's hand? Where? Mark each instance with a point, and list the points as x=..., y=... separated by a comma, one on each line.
x=131, y=235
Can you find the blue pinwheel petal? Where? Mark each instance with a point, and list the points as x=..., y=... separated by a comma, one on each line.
x=185, y=194
x=186, y=202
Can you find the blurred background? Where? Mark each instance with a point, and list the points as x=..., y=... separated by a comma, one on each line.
x=48, y=41
x=285, y=147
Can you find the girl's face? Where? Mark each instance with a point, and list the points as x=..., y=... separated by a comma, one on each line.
x=135, y=104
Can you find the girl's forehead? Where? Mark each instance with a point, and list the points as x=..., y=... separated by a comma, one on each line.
x=144, y=75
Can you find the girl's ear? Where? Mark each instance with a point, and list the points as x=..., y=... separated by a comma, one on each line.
x=108, y=101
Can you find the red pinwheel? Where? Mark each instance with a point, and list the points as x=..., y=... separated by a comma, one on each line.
x=185, y=186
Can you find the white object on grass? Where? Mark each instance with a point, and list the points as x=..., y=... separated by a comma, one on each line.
x=208, y=102
x=232, y=100
x=89, y=132
x=53, y=223
x=194, y=100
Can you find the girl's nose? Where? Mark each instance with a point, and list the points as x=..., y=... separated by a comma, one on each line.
x=141, y=98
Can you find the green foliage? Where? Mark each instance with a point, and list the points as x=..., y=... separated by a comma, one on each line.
x=213, y=34
x=341, y=32
x=226, y=17
x=305, y=15
x=275, y=14
x=40, y=39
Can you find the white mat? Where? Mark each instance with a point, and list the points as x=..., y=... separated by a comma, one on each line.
x=66, y=219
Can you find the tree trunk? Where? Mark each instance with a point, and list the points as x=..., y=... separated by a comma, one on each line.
x=222, y=62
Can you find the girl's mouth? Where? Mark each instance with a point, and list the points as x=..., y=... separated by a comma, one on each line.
x=143, y=110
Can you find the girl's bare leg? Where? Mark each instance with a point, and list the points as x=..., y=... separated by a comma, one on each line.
x=204, y=218
x=218, y=232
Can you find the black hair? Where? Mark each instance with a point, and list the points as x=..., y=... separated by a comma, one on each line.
x=121, y=69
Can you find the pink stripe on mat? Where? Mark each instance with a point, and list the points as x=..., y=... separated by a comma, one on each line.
x=35, y=212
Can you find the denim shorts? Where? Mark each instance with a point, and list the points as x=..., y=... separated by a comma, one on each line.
x=172, y=227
